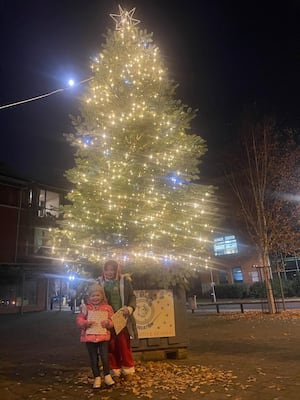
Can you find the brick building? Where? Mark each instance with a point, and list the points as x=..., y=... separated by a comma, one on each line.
x=27, y=211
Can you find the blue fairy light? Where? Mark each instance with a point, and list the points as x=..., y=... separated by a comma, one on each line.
x=175, y=179
x=145, y=44
x=87, y=140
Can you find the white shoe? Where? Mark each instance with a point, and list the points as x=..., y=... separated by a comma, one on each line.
x=97, y=382
x=109, y=380
x=115, y=373
x=128, y=373
x=128, y=370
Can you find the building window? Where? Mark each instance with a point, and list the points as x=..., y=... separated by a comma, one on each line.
x=41, y=241
x=225, y=245
x=254, y=276
x=48, y=204
x=223, y=277
x=30, y=197
x=237, y=274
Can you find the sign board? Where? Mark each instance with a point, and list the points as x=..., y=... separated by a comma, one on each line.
x=154, y=313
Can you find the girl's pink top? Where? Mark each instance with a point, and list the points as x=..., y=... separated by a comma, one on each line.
x=82, y=320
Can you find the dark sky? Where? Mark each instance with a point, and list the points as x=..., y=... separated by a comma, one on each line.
x=225, y=55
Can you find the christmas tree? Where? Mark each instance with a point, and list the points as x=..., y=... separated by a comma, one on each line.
x=136, y=194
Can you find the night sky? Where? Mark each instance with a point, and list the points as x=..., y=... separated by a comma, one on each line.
x=225, y=56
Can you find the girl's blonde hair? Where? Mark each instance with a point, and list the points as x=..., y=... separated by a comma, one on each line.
x=96, y=288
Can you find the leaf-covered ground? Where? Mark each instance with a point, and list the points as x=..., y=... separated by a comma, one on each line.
x=250, y=356
x=171, y=380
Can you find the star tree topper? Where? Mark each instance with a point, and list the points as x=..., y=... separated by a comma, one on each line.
x=125, y=18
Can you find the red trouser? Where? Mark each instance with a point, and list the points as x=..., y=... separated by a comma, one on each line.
x=120, y=353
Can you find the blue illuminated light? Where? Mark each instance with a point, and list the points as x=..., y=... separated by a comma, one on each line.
x=166, y=260
x=175, y=179
x=145, y=44
x=87, y=140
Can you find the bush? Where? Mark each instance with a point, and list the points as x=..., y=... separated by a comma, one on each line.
x=258, y=290
x=231, y=291
x=295, y=283
x=290, y=288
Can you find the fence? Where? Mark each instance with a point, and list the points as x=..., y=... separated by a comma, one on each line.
x=246, y=305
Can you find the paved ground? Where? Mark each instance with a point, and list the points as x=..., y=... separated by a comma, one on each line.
x=231, y=356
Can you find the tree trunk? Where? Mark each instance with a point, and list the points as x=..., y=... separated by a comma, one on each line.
x=269, y=289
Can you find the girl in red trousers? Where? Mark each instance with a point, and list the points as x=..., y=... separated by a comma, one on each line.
x=95, y=323
x=120, y=295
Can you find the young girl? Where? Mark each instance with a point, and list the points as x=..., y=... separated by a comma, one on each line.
x=95, y=323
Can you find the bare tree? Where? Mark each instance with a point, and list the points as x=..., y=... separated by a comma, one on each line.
x=265, y=181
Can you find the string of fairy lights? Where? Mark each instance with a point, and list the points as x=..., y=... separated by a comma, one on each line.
x=125, y=18
x=39, y=97
x=101, y=94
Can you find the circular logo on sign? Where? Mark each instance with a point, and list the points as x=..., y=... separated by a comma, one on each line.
x=144, y=312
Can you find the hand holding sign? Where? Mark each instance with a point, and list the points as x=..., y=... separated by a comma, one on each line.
x=119, y=321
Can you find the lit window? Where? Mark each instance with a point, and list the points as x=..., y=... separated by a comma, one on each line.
x=254, y=276
x=237, y=274
x=48, y=204
x=225, y=245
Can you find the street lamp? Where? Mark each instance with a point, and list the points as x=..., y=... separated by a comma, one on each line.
x=212, y=283
x=279, y=270
x=72, y=291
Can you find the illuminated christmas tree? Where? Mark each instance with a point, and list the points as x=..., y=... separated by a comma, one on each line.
x=136, y=196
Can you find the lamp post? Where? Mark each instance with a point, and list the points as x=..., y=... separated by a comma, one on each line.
x=279, y=270
x=72, y=292
x=212, y=283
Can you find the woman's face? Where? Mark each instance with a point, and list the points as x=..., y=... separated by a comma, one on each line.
x=109, y=272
